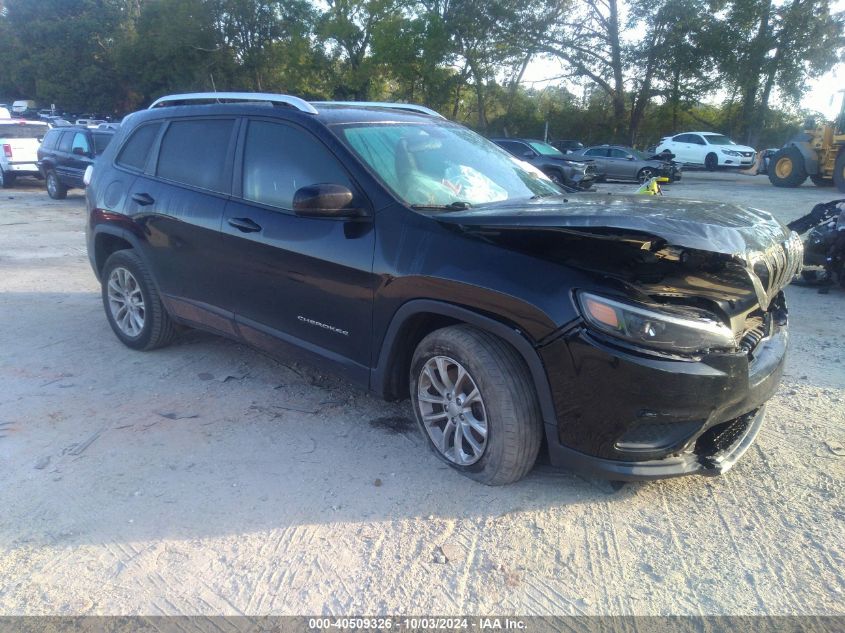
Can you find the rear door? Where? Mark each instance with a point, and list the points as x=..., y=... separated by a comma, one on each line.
x=291, y=279
x=178, y=200
x=619, y=165
x=599, y=155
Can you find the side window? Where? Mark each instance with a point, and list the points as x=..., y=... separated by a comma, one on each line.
x=101, y=142
x=615, y=152
x=49, y=141
x=596, y=151
x=682, y=138
x=195, y=153
x=64, y=144
x=80, y=141
x=696, y=140
x=135, y=151
x=279, y=159
x=510, y=146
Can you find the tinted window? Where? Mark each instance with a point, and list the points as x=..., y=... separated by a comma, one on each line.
x=137, y=148
x=194, y=153
x=596, y=151
x=512, y=147
x=279, y=159
x=80, y=141
x=695, y=139
x=49, y=141
x=101, y=142
x=615, y=152
x=64, y=144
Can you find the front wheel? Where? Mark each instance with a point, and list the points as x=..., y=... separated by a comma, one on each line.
x=711, y=162
x=819, y=181
x=645, y=174
x=786, y=168
x=132, y=303
x=55, y=189
x=475, y=404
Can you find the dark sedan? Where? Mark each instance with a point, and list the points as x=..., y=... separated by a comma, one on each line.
x=617, y=162
x=568, y=170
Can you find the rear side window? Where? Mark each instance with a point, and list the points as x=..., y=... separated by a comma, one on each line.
x=64, y=144
x=195, y=152
x=596, y=151
x=49, y=141
x=80, y=141
x=101, y=142
x=615, y=152
x=135, y=151
x=279, y=159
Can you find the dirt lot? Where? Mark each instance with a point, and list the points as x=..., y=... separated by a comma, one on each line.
x=207, y=478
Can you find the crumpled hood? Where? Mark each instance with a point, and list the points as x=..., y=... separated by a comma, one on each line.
x=769, y=252
x=708, y=226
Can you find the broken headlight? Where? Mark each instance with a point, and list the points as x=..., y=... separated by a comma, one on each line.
x=657, y=329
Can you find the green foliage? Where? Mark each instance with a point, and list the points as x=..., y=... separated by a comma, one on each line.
x=641, y=68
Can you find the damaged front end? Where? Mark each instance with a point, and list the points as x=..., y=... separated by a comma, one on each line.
x=682, y=331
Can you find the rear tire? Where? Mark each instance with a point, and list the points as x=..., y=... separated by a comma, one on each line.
x=818, y=181
x=711, y=162
x=6, y=179
x=132, y=303
x=504, y=404
x=839, y=172
x=55, y=189
x=786, y=168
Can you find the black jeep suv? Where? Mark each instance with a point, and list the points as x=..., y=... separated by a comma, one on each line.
x=65, y=154
x=634, y=337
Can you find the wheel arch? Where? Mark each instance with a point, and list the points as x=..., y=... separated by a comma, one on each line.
x=811, y=159
x=109, y=240
x=418, y=318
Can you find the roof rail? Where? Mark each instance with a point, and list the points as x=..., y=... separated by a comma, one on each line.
x=410, y=107
x=230, y=97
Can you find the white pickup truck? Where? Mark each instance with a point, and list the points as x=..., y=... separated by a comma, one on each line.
x=19, y=141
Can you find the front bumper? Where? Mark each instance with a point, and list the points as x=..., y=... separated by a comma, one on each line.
x=629, y=416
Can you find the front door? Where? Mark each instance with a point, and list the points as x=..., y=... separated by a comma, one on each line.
x=294, y=280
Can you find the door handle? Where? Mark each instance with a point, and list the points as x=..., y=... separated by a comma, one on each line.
x=143, y=199
x=245, y=225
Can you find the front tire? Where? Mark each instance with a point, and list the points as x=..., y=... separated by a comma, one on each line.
x=55, y=189
x=645, y=174
x=711, y=162
x=475, y=403
x=818, y=181
x=132, y=303
x=786, y=168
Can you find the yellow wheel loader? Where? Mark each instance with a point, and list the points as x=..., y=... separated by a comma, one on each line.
x=818, y=153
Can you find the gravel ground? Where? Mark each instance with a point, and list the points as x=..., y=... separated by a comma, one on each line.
x=207, y=478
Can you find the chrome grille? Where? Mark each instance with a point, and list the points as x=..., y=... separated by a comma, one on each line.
x=781, y=262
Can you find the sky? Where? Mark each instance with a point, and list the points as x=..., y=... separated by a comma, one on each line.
x=818, y=97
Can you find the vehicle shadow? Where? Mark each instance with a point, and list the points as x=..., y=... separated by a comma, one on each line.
x=209, y=437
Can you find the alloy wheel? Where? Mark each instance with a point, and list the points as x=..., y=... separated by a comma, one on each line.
x=646, y=175
x=51, y=184
x=452, y=410
x=126, y=302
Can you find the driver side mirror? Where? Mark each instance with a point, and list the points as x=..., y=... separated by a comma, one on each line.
x=630, y=157
x=325, y=200
x=528, y=154
x=78, y=151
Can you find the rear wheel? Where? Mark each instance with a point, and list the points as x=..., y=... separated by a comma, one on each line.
x=819, y=181
x=786, y=168
x=839, y=172
x=55, y=189
x=7, y=179
x=132, y=303
x=711, y=161
x=475, y=404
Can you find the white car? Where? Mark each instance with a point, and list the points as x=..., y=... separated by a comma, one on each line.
x=707, y=148
x=19, y=141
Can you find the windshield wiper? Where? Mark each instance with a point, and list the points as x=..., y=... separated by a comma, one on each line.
x=458, y=205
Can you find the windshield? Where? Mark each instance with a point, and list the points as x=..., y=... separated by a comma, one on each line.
x=545, y=149
x=718, y=139
x=22, y=130
x=441, y=164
